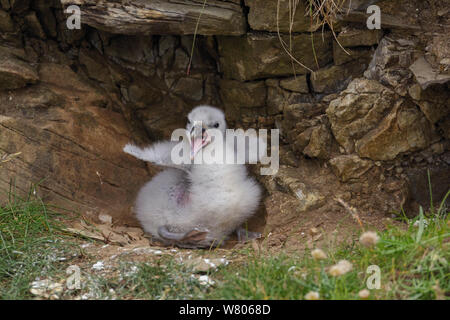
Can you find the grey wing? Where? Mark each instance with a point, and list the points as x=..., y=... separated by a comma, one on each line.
x=159, y=153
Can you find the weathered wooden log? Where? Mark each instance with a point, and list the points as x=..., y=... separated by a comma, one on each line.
x=141, y=17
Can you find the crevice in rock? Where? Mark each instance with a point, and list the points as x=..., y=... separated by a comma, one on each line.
x=246, y=11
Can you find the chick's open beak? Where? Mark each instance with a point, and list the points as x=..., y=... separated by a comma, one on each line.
x=199, y=139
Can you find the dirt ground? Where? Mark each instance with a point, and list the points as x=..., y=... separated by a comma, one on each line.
x=335, y=212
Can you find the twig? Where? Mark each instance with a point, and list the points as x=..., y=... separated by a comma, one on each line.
x=8, y=157
x=283, y=43
x=351, y=210
x=195, y=36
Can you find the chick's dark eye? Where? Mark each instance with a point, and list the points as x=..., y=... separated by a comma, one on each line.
x=216, y=125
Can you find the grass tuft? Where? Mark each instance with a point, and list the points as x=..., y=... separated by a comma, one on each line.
x=412, y=259
x=413, y=264
x=31, y=246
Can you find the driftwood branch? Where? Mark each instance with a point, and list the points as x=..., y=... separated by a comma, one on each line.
x=139, y=17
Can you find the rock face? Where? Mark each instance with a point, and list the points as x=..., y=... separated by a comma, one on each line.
x=335, y=78
x=349, y=38
x=6, y=24
x=239, y=96
x=263, y=16
x=295, y=84
x=358, y=110
x=70, y=142
x=350, y=167
x=138, y=17
x=373, y=121
x=319, y=143
x=14, y=72
x=262, y=56
x=425, y=74
x=151, y=75
x=403, y=130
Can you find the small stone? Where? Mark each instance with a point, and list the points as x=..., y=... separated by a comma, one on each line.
x=46, y=288
x=312, y=295
x=319, y=143
x=206, y=280
x=105, y=218
x=437, y=148
x=364, y=294
x=349, y=167
x=426, y=75
x=415, y=91
x=204, y=265
x=98, y=266
x=296, y=84
x=417, y=223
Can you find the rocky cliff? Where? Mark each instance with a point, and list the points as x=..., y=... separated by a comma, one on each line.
x=362, y=120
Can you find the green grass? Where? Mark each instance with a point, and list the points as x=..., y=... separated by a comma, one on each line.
x=413, y=262
x=31, y=246
x=412, y=256
x=163, y=279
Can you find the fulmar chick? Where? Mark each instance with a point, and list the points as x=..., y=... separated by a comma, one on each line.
x=196, y=205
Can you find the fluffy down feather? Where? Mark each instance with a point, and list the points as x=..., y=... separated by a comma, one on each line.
x=201, y=204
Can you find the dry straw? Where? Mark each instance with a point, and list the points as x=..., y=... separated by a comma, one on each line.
x=8, y=157
x=322, y=13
